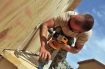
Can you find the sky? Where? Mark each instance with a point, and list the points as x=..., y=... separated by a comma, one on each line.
x=95, y=47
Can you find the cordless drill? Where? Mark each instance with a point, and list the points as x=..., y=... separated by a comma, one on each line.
x=58, y=37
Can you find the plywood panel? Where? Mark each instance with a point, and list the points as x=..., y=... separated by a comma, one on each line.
x=20, y=17
x=18, y=62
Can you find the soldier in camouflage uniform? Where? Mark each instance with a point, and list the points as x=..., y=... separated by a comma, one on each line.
x=72, y=25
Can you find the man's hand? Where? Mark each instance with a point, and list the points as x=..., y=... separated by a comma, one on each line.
x=44, y=54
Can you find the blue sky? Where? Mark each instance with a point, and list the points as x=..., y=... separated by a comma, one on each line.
x=95, y=47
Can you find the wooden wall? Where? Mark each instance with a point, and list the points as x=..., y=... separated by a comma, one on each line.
x=18, y=19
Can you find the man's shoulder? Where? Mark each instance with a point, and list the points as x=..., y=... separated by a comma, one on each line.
x=87, y=33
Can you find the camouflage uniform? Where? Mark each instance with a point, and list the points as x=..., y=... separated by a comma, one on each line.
x=81, y=38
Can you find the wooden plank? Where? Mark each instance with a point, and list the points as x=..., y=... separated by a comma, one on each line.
x=11, y=58
x=5, y=64
x=18, y=62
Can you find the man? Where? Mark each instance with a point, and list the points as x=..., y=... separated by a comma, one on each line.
x=73, y=25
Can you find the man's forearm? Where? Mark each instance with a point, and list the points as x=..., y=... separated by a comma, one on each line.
x=44, y=29
x=43, y=36
x=71, y=49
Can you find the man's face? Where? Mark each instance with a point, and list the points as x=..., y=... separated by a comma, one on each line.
x=75, y=26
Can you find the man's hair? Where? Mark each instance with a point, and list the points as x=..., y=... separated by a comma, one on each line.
x=87, y=22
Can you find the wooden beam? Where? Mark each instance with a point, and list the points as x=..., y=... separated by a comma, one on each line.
x=18, y=62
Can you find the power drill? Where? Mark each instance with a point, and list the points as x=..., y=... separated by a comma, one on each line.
x=57, y=37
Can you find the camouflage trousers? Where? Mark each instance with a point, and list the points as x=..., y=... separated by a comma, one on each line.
x=59, y=57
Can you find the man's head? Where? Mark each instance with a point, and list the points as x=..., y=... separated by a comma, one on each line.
x=81, y=22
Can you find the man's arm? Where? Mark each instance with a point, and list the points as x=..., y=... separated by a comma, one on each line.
x=74, y=49
x=44, y=52
x=68, y=48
